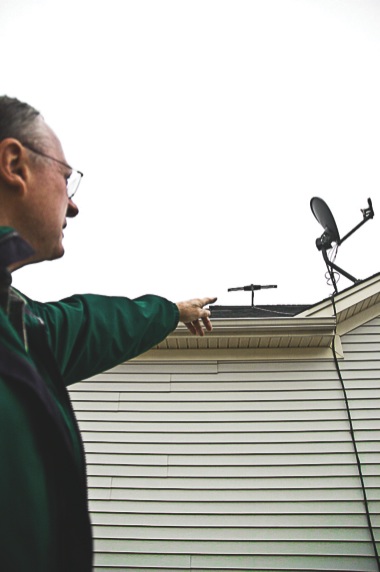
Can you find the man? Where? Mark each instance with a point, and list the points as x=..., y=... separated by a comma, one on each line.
x=44, y=521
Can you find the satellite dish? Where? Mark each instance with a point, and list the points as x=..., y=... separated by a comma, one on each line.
x=331, y=234
x=325, y=218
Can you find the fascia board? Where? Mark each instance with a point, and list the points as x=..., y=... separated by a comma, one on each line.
x=251, y=339
x=260, y=327
x=240, y=355
x=346, y=299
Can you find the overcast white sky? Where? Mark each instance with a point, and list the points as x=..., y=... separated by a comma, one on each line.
x=204, y=128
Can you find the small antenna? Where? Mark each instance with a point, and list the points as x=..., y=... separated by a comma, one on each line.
x=331, y=234
x=251, y=288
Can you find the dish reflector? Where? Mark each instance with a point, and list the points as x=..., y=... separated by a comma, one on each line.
x=325, y=218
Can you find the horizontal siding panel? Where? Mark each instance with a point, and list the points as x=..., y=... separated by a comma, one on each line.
x=245, y=428
x=159, y=367
x=227, y=450
x=234, y=548
x=362, y=380
x=281, y=471
x=136, y=386
x=227, y=418
x=238, y=438
x=239, y=461
x=220, y=410
x=260, y=533
x=127, y=507
x=231, y=508
x=223, y=403
x=354, y=352
x=256, y=375
x=251, y=386
x=144, y=569
x=369, y=335
x=269, y=472
x=95, y=405
x=351, y=368
x=111, y=376
x=244, y=483
x=124, y=561
x=227, y=563
x=338, y=509
x=194, y=394
x=347, y=494
x=98, y=493
x=292, y=367
x=351, y=563
x=92, y=396
x=111, y=459
x=307, y=535
x=127, y=471
x=148, y=408
x=236, y=521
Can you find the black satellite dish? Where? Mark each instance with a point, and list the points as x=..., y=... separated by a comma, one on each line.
x=325, y=218
x=331, y=234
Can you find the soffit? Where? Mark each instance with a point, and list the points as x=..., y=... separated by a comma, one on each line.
x=257, y=338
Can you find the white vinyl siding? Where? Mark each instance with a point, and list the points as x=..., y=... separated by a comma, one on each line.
x=234, y=466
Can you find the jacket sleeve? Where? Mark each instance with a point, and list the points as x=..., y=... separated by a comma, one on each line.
x=91, y=333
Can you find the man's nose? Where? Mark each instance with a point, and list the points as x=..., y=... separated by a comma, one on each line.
x=72, y=209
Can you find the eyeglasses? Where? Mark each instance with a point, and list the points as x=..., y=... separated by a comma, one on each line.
x=73, y=180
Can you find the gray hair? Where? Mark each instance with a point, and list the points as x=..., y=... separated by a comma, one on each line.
x=19, y=120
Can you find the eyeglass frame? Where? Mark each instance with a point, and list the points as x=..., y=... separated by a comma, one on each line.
x=70, y=196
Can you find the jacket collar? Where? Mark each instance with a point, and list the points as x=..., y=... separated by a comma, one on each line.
x=13, y=248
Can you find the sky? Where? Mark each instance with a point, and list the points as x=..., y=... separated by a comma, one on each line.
x=203, y=129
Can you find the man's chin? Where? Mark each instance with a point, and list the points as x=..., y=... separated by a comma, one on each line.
x=57, y=253
x=52, y=254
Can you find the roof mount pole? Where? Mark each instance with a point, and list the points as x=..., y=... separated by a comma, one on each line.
x=331, y=266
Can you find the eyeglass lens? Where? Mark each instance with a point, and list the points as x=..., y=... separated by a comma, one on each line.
x=73, y=183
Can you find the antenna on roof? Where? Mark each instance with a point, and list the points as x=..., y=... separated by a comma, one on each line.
x=251, y=288
x=331, y=234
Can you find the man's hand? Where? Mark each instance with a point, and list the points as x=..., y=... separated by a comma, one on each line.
x=192, y=313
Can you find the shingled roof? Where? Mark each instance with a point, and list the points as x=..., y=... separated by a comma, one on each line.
x=275, y=311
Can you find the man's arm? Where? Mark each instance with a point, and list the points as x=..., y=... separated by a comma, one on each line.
x=89, y=334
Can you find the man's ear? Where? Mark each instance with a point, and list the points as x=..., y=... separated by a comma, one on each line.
x=14, y=165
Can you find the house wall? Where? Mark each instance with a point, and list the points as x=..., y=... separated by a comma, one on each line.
x=245, y=466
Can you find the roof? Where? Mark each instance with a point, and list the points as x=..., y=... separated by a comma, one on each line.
x=268, y=311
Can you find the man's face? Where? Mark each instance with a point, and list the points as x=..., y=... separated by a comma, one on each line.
x=47, y=205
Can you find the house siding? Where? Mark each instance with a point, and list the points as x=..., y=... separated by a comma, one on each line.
x=230, y=466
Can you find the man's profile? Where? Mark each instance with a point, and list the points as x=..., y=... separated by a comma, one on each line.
x=45, y=347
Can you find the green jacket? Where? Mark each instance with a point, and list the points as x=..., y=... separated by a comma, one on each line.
x=44, y=521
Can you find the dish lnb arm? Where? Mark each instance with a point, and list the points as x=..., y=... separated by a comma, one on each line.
x=367, y=215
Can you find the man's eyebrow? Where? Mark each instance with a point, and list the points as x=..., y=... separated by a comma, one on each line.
x=65, y=166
